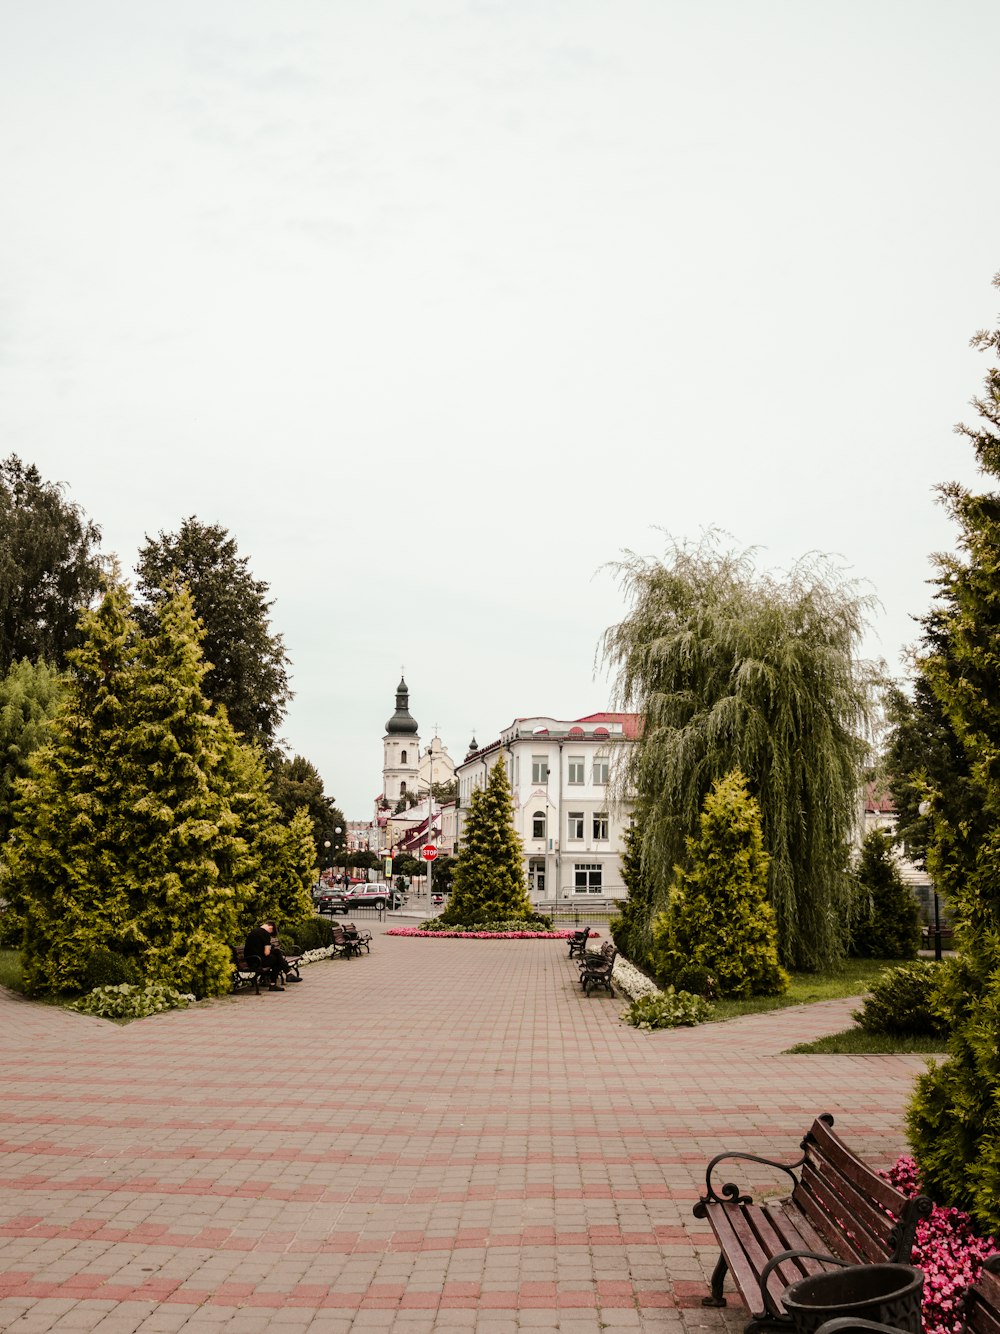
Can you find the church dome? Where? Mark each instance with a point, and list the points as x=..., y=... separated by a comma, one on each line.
x=402, y=723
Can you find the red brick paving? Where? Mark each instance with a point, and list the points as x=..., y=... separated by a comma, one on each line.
x=444, y=1135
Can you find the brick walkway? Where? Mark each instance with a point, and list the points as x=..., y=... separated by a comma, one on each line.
x=443, y=1135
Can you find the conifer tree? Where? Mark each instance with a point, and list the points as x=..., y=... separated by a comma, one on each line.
x=886, y=919
x=30, y=694
x=630, y=927
x=954, y=1118
x=488, y=884
x=718, y=916
x=145, y=826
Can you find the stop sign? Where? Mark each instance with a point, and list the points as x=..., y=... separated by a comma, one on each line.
x=429, y=852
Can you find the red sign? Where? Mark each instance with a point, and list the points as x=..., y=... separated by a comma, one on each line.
x=429, y=852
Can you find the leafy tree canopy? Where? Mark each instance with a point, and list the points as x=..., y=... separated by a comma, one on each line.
x=734, y=669
x=248, y=666
x=49, y=566
x=296, y=783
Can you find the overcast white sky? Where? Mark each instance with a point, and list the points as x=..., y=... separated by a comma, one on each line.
x=439, y=306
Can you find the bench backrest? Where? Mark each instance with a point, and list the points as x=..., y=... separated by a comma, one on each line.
x=853, y=1209
x=982, y=1301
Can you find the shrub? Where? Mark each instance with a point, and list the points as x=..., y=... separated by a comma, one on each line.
x=667, y=1009
x=107, y=968
x=128, y=1002
x=902, y=1002
x=718, y=915
x=315, y=934
x=886, y=917
x=11, y=929
x=698, y=980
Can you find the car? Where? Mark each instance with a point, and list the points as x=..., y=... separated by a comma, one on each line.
x=372, y=896
x=329, y=901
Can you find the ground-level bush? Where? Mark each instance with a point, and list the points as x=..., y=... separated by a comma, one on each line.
x=886, y=918
x=128, y=1002
x=106, y=968
x=667, y=1009
x=315, y=934
x=903, y=1002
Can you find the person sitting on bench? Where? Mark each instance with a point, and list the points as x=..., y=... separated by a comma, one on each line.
x=261, y=944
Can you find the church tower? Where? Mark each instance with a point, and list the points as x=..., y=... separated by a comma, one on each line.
x=400, y=750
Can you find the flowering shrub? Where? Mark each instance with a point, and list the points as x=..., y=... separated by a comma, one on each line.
x=491, y=931
x=131, y=1002
x=631, y=981
x=947, y=1250
x=667, y=1009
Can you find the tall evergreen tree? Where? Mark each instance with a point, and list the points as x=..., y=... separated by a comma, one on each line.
x=732, y=669
x=248, y=665
x=145, y=826
x=955, y=1116
x=718, y=916
x=296, y=783
x=49, y=566
x=886, y=920
x=29, y=697
x=488, y=882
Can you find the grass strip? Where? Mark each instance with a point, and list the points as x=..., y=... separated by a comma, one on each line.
x=853, y=978
x=856, y=1042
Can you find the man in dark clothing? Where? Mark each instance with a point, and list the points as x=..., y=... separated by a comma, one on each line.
x=260, y=945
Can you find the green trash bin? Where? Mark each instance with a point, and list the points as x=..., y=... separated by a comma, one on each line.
x=888, y=1293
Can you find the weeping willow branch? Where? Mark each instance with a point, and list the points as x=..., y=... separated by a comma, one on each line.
x=734, y=668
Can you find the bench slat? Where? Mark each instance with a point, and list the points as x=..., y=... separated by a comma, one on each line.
x=982, y=1314
x=745, y=1260
x=771, y=1227
x=797, y=1235
x=836, y=1152
x=850, y=1213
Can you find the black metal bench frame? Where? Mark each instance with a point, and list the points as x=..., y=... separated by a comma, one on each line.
x=596, y=968
x=578, y=943
x=250, y=972
x=840, y=1212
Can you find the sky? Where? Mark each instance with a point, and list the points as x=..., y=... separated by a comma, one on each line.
x=440, y=307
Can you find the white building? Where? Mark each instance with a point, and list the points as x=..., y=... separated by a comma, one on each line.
x=400, y=750
x=560, y=774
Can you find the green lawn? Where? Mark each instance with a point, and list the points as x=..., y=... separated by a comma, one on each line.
x=10, y=970
x=855, y=1041
x=851, y=979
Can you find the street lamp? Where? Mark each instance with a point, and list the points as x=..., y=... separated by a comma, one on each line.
x=326, y=845
x=338, y=831
x=925, y=809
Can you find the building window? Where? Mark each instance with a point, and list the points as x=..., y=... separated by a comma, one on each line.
x=575, y=824
x=539, y=769
x=587, y=878
x=538, y=824
x=402, y=787
x=576, y=767
x=601, y=825
x=601, y=772
x=402, y=758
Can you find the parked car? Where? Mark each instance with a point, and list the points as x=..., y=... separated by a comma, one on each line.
x=329, y=901
x=372, y=896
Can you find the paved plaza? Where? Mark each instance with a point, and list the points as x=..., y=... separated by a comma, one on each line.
x=444, y=1135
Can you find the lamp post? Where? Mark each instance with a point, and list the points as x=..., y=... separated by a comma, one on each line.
x=338, y=831
x=925, y=809
x=326, y=848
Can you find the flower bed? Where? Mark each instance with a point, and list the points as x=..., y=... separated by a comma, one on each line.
x=947, y=1250
x=483, y=935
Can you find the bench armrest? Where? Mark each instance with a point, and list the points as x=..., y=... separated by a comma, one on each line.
x=780, y=1259
x=730, y=1192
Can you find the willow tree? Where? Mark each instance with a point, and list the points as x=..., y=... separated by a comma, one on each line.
x=733, y=668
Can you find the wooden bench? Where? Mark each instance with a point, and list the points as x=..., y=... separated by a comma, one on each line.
x=248, y=972
x=578, y=943
x=980, y=1309
x=596, y=967
x=840, y=1211
x=357, y=940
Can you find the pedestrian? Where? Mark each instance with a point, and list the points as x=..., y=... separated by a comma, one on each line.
x=261, y=944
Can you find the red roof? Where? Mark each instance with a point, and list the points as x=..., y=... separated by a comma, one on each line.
x=631, y=722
